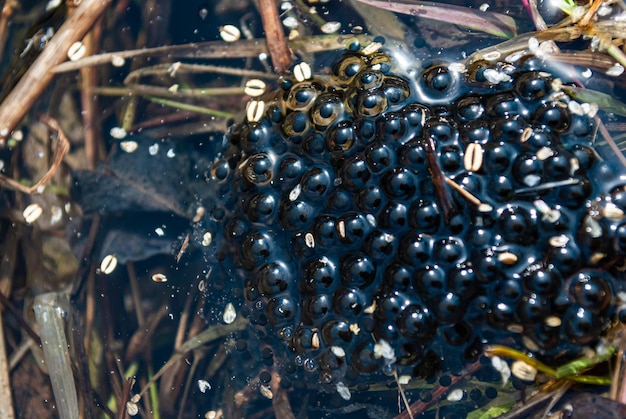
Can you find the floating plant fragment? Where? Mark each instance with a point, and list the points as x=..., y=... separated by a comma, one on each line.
x=489, y=22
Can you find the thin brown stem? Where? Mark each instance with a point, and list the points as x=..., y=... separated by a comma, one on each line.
x=274, y=36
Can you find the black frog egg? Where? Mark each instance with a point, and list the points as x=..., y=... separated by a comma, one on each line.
x=261, y=207
x=327, y=109
x=340, y=138
x=349, y=67
x=348, y=216
x=591, y=291
x=450, y=250
x=355, y=173
x=393, y=127
x=371, y=104
x=553, y=115
x=396, y=90
x=518, y=225
x=399, y=183
x=533, y=85
x=273, y=278
x=258, y=169
x=438, y=82
x=469, y=108
x=581, y=325
x=302, y=96
x=379, y=156
x=371, y=198
x=417, y=324
x=316, y=183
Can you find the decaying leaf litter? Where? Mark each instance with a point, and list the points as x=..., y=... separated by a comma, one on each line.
x=100, y=249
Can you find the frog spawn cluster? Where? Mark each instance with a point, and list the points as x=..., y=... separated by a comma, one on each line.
x=422, y=213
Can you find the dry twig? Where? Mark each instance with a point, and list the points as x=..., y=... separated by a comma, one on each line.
x=39, y=76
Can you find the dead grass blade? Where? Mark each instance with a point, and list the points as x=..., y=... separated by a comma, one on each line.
x=495, y=24
x=60, y=150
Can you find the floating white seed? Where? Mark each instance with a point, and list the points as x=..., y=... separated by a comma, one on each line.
x=266, y=392
x=230, y=314
x=338, y=351
x=523, y=371
x=485, y=207
x=207, y=239
x=295, y=193
x=290, y=22
x=616, y=70
x=544, y=152
x=371, y=48
x=170, y=153
x=118, y=61
x=201, y=286
x=530, y=344
x=254, y=87
x=76, y=51
x=515, y=328
x=404, y=379
x=315, y=340
x=159, y=231
x=153, y=149
x=382, y=349
x=302, y=72
x=553, y=321
x=528, y=131
x=558, y=241
x=605, y=10
x=32, y=213
x=590, y=109
x=330, y=27
x=473, y=159
x=132, y=409
x=514, y=57
x=173, y=88
x=309, y=240
x=214, y=414
x=612, y=212
x=199, y=214
x=118, y=133
x=129, y=146
x=575, y=108
x=596, y=257
x=204, y=385
x=285, y=6
x=254, y=110
x=355, y=329
x=483, y=7
x=56, y=214
x=343, y=391
x=508, y=258
x=587, y=73
x=108, y=264
x=230, y=33
x=455, y=395
x=341, y=229
x=457, y=67
x=370, y=309
x=159, y=277
x=502, y=367
x=492, y=56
